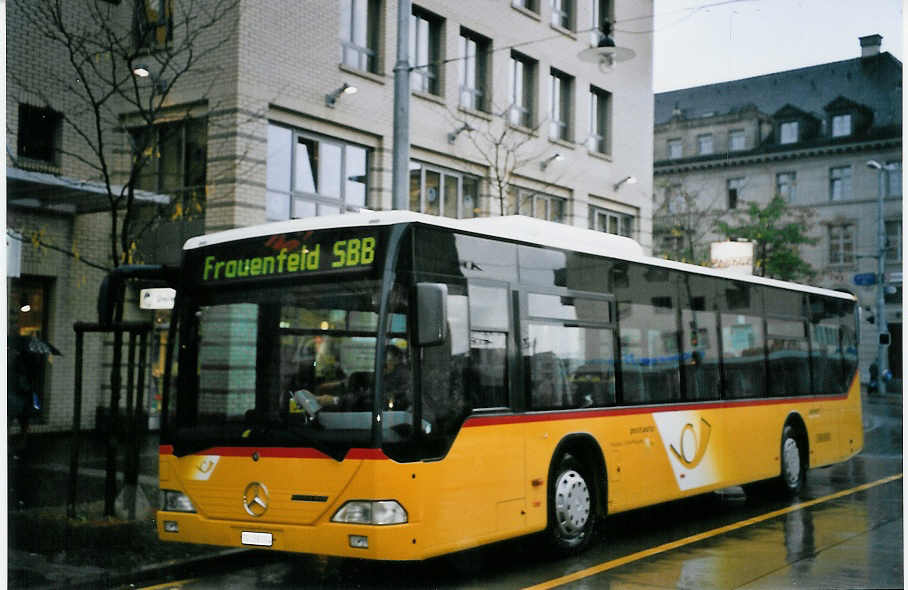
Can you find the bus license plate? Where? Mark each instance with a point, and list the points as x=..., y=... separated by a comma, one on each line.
x=258, y=539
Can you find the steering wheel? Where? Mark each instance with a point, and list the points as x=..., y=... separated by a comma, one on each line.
x=306, y=401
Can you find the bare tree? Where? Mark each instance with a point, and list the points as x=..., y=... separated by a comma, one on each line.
x=124, y=63
x=505, y=149
x=682, y=225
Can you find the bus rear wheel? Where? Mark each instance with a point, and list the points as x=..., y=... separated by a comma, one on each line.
x=571, y=515
x=794, y=469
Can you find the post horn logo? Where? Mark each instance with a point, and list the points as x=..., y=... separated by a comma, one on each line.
x=255, y=499
x=692, y=449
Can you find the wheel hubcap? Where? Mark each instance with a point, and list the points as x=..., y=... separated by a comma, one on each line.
x=572, y=502
x=791, y=459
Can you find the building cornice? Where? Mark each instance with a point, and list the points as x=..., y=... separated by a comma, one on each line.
x=762, y=156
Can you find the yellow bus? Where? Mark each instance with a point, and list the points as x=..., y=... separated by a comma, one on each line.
x=397, y=386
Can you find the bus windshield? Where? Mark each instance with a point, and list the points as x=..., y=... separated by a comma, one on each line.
x=289, y=365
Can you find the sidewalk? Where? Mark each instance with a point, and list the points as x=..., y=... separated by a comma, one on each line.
x=48, y=550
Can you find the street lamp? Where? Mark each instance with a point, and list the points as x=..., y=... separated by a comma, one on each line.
x=883, y=345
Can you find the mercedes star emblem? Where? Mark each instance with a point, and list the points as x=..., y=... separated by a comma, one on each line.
x=255, y=499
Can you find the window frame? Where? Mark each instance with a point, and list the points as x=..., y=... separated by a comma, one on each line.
x=561, y=100
x=522, y=90
x=788, y=190
x=841, y=247
x=621, y=221
x=733, y=136
x=840, y=183
x=152, y=34
x=672, y=143
x=600, y=103
x=893, y=239
x=157, y=145
x=317, y=199
x=474, y=71
x=564, y=14
x=519, y=195
x=705, y=144
x=365, y=13
x=443, y=174
x=427, y=79
x=734, y=184
x=50, y=137
x=837, y=129
x=785, y=132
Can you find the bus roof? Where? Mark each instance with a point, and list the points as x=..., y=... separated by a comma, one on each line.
x=516, y=228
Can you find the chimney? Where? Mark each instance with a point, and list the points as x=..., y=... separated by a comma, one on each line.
x=870, y=45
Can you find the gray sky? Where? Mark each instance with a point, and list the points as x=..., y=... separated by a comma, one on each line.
x=733, y=39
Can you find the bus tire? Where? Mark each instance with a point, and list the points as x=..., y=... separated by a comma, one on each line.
x=794, y=468
x=571, y=514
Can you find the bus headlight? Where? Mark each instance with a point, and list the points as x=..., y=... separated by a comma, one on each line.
x=174, y=501
x=371, y=512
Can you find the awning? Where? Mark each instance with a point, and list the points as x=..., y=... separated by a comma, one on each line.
x=26, y=188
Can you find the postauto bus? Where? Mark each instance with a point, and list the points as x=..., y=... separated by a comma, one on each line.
x=397, y=386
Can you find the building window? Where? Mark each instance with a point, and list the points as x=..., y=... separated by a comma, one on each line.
x=27, y=355
x=841, y=125
x=600, y=117
x=895, y=178
x=611, y=222
x=735, y=186
x=153, y=24
x=736, y=140
x=674, y=199
x=531, y=5
x=40, y=135
x=175, y=158
x=425, y=51
x=310, y=175
x=673, y=147
x=788, y=132
x=535, y=204
x=841, y=243
x=705, y=144
x=894, y=240
x=473, y=70
x=840, y=183
x=600, y=11
x=522, y=89
x=360, y=33
x=438, y=191
x=563, y=14
x=785, y=185
x=560, y=91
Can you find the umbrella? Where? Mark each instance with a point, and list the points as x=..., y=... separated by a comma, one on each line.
x=37, y=346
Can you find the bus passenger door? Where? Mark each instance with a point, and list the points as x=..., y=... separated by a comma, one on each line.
x=480, y=481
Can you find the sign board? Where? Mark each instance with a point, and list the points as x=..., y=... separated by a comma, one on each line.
x=865, y=279
x=159, y=298
x=895, y=277
x=736, y=257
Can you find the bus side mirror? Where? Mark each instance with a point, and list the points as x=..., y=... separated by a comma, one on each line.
x=432, y=313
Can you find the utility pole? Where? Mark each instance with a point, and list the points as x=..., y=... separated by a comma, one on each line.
x=400, y=164
x=883, y=348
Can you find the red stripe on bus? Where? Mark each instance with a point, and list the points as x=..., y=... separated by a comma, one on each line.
x=625, y=411
x=282, y=452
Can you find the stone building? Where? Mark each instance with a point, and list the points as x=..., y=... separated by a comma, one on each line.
x=267, y=127
x=807, y=135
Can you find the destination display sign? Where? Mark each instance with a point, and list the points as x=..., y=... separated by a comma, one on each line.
x=285, y=255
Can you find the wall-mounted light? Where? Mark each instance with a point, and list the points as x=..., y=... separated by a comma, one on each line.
x=143, y=71
x=331, y=99
x=625, y=180
x=452, y=136
x=25, y=308
x=553, y=158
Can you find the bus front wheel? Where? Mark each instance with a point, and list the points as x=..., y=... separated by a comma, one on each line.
x=794, y=469
x=570, y=506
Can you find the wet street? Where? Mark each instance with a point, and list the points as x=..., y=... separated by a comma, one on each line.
x=845, y=531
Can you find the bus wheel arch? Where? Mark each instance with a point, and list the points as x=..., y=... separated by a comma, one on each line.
x=576, y=493
x=794, y=455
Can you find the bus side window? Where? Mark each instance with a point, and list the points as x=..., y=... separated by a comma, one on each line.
x=489, y=313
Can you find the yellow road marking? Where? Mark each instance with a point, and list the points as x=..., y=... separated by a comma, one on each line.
x=597, y=569
x=168, y=585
